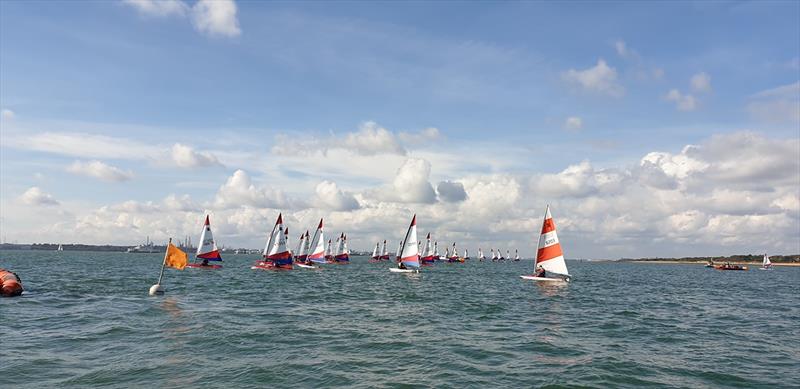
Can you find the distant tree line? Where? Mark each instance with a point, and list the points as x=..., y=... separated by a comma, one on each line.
x=732, y=258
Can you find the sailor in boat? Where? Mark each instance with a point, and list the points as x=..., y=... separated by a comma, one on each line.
x=539, y=272
x=204, y=263
x=401, y=265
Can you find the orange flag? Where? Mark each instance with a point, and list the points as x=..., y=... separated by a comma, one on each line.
x=175, y=257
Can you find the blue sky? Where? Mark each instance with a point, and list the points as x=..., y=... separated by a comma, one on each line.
x=293, y=93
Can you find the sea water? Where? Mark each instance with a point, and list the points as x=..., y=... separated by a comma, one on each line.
x=85, y=320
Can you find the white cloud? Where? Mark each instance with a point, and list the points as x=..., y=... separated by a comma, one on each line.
x=421, y=137
x=35, y=196
x=701, y=82
x=451, y=192
x=211, y=17
x=600, y=79
x=580, y=180
x=216, y=17
x=159, y=8
x=331, y=197
x=777, y=105
x=573, y=123
x=240, y=191
x=99, y=170
x=624, y=51
x=6, y=114
x=372, y=139
x=83, y=145
x=411, y=183
x=186, y=157
x=682, y=102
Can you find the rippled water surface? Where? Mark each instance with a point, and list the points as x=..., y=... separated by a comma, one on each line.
x=86, y=320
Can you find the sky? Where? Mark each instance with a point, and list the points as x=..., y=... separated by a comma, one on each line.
x=651, y=129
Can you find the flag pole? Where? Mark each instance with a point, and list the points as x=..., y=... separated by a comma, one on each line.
x=157, y=289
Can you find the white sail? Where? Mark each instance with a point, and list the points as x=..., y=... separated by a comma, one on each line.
x=766, y=263
x=480, y=253
x=550, y=256
x=409, y=252
x=375, y=251
x=436, y=249
x=466, y=253
x=399, y=247
x=316, y=252
x=207, y=248
x=385, y=252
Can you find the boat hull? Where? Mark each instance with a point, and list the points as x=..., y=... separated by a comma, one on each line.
x=304, y=266
x=732, y=267
x=261, y=265
x=201, y=266
x=542, y=279
x=397, y=270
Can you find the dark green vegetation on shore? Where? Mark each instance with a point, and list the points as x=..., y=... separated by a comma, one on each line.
x=794, y=258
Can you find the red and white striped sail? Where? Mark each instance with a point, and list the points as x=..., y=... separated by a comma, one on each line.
x=317, y=245
x=550, y=256
x=207, y=249
x=276, y=251
x=409, y=252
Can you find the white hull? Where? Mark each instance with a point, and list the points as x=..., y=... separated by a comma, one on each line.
x=305, y=266
x=397, y=270
x=542, y=279
x=765, y=268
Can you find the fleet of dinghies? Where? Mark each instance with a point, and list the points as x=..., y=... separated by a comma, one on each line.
x=311, y=252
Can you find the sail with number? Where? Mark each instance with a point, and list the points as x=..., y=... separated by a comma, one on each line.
x=207, y=249
x=550, y=256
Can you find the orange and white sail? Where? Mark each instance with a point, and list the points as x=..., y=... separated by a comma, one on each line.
x=550, y=256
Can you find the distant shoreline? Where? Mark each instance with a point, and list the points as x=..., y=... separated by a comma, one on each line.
x=790, y=264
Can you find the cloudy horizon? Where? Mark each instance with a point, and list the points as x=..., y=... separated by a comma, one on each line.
x=138, y=118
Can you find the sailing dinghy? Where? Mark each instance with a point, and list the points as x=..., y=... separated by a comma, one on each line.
x=428, y=254
x=516, y=255
x=315, y=249
x=408, y=258
x=376, y=253
x=549, y=256
x=481, y=257
x=766, y=264
x=276, y=254
x=342, y=252
x=329, y=252
x=207, y=250
x=385, y=252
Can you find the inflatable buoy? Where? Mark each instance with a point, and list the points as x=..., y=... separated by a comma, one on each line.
x=10, y=284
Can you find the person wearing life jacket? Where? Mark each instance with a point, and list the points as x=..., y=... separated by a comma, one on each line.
x=539, y=272
x=402, y=266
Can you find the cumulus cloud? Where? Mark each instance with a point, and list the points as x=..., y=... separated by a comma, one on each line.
x=411, y=183
x=777, y=105
x=239, y=191
x=682, y=102
x=573, y=123
x=100, y=170
x=701, y=82
x=35, y=196
x=159, y=8
x=331, y=197
x=580, y=180
x=599, y=79
x=186, y=157
x=211, y=17
x=451, y=192
x=216, y=17
x=372, y=139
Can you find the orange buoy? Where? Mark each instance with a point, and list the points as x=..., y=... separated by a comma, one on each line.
x=10, y=284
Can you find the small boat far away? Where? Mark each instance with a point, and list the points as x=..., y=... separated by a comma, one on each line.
x=516, y=255
x=428, y=253
x=549, y=257
x=766, y=264
x=408, y=256
x=342, y=252
x=385, y=252
x=481, y=257
x=376, y=256
x=276, y=254
x=466, y=255
x=207, y=250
